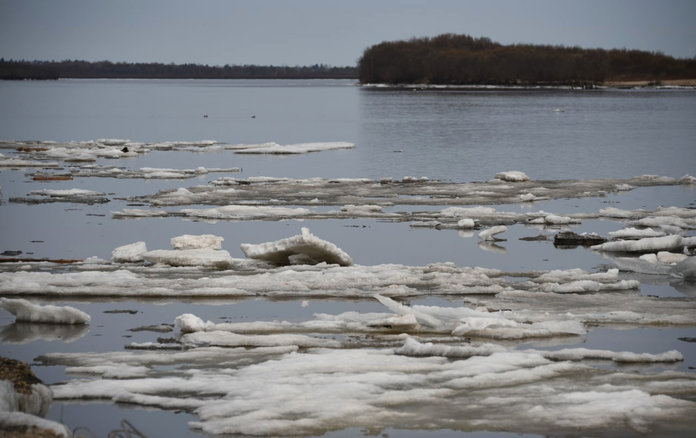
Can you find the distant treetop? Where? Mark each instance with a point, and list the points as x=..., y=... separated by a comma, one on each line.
x=106, y=69
x=462, y=59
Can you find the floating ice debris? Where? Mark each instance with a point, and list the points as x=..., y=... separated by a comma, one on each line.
x=490, y=233
x=636, y=233
x=554, y=219
x=246, y=212
x=463, y=321
x=466, y=223
x=386, y=191
x=129, y=253
x=455, y=321
x=512, y=176
x=139, y=213
x=528, y=197
x=664, y=257
x=413, y=347
x=647, y=244
x=67, y=195
x=203, y=257
x=304, y=248
x=24, y=399
x=228, y=339
x=261, y=391
x=13, y=162
x=145, y=172
x=27, y=311
x=300, y=148
x=248, y=277
x=361, y=210
x=188, y=241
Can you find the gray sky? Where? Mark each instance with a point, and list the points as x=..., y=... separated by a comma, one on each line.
x=304, y=32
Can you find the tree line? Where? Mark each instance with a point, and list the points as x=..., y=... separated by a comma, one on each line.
x=11, y=69
x=462, y=59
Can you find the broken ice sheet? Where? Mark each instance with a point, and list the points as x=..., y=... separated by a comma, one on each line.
x=82, y=196
x=320, y=390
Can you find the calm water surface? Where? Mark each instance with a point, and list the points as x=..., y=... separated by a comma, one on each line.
x=447, y=135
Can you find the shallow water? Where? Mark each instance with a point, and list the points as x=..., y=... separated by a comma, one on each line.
x=450, y=136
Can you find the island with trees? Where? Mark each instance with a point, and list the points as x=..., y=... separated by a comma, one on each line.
x=451, y=59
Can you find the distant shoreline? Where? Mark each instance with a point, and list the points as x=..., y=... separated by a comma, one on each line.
x=666, y=84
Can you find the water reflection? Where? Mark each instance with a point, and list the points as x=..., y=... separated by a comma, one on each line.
x=25, y=332
x=490, y=246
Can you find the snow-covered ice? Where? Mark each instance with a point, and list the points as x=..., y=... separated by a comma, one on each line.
x=188, y=241
x=490, y=233
x=304, y=248
x=486, y=387
x=646, y=244
x=205, y=257
x=512, y=175
x=27, y=311
x=129, y=253
x=299, y=148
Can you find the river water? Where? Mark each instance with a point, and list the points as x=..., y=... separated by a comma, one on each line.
x=448, y=135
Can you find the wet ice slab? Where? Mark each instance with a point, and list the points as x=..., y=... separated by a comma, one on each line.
x=269, y=391
x=305, y=248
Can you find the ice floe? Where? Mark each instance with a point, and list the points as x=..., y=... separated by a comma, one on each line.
x=188, y=241
x=97, y=171
x=490, y=233
x=27, y=311
x=646, y=244
x=388, y=192
x=412, y=347
x=205, y=257
x=64, y=195
x=305, y=248
x=322, y=389
x=512, y=175
x=248, y=277
x=129, y=253
x=299, y=148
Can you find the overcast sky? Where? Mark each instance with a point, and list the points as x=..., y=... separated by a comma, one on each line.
x=305, y=32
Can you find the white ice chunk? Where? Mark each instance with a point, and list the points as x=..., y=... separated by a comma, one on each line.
x=512, y=176
x=189, y=323
x=635, y=233
x=577, y=354
x=63, y=193
x=466, y=212
x=361, y=210
x=553, y=219
x=246, y=212
x=312, y=249
x=670, y=258
x=466, y=223
x=647, y=244
x=190, y=257
x=229, y=339
x=617, y=213
x=490, y=233
x=129, y=253
x=27, y=311
x=188, y=241
x=300, y=148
